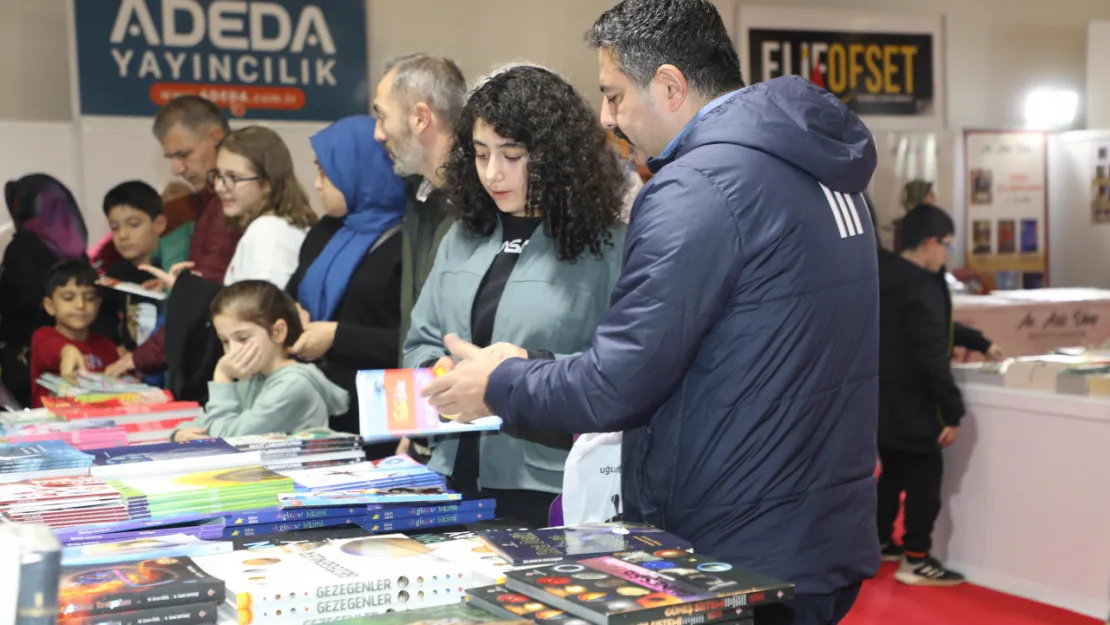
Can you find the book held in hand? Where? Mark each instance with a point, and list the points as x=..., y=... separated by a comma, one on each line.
x=391, y=407
x=132, y=288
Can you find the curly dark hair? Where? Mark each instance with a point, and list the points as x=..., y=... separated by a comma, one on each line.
x=575, y=180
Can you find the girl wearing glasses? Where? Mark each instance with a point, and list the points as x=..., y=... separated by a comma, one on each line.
x=256, y=184
x=255, y=180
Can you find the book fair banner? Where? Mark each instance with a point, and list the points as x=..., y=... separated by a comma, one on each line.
x=1007, y=206
x=294, y=60
x=886, y=68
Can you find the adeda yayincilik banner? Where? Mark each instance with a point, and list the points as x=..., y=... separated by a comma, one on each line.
x=278, y=59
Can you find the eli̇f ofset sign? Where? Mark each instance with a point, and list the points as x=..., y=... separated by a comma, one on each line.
x=295, y=60
x=879, y=65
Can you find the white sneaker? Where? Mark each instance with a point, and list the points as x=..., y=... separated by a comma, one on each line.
x=927, y=572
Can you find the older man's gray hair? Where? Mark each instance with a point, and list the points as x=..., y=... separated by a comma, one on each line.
x=435, y=80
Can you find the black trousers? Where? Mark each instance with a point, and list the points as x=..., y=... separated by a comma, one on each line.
x=919, y=475
x=827, y=609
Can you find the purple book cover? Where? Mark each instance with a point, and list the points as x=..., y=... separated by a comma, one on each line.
x=137, y=524
x=212, y=530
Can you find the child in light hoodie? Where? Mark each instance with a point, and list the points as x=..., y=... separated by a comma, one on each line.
x=257, y=388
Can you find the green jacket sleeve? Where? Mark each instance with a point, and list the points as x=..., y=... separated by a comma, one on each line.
x=425, y=337
x=290, y=407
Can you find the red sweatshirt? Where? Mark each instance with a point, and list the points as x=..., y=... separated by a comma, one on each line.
x=46, y=356
x=211, y=248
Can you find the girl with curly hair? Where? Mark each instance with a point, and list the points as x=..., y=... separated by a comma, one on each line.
x=532, y=261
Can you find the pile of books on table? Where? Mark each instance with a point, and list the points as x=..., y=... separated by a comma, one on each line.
x=62, y=501
x=303, y=450
x=97, y=412
x=19, y=461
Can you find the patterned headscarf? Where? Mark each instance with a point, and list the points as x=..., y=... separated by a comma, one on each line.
x=43, y=206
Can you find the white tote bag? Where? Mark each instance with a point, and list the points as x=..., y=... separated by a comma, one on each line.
x=592, y=480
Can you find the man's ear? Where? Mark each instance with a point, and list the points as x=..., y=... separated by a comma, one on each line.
x=674, y=82
x=160, y=224
x=48, y=304
x=215, y=134
x=421, y=117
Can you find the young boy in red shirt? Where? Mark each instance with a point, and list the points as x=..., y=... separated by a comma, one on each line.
x=73, y=300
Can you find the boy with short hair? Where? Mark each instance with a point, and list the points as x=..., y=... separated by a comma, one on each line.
x=920, y=406
x=134, y=212
x=73, y=300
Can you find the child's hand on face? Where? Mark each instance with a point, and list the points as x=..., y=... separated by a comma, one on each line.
x=239, y=363
x=73, y=362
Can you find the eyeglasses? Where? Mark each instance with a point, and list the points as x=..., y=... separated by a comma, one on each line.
x=229, y=180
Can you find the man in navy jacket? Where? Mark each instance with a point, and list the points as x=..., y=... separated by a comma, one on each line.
x=740, y=356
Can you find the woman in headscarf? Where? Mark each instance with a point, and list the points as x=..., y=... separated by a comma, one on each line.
x=48, y=229
x=348, y=282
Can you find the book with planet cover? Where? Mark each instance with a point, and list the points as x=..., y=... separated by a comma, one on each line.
x=636, y=587
x=123, y=587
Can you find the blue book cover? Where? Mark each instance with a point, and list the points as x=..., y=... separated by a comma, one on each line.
x=421, y=522
x=258, y=517
x=41, y=456
x=264, y=529
x=163, y=451
x=379, y=512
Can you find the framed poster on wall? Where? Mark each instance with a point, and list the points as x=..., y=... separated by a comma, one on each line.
x=886, y=67
x=1007, y=206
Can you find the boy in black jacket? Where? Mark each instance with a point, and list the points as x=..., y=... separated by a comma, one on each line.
x=920, y=406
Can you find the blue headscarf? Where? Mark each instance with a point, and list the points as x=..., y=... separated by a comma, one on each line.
x=376, y=198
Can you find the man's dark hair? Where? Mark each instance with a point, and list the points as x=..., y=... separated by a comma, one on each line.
x=78, y=270
x=435, y=80
x=923, y=223
x=136, y=194
x=192, y=112
x=689, y=34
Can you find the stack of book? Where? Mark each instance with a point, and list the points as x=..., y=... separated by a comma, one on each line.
x=144, y=423
x=92, y=384
x=332, y=580
x=162, y=590
x=302, y=450
x=20, y=461
x=170, y=459
x=374, y=518
x=225, y=490
x=76, y=434
x=626, y=588
x=393, y=480
x=61, y=501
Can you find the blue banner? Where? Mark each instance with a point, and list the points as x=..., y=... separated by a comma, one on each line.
x=276, y=59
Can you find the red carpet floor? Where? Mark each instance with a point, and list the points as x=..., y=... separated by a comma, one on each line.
x=885, y=601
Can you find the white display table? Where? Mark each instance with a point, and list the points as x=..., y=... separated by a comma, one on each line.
x=1027, y=497
x=1028, y=323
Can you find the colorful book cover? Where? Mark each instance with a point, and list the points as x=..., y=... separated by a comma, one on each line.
x=634, y=587
x=559, y=543
x=362, y=475
x=391, y=407
x=38, y=491
x=124, y=587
